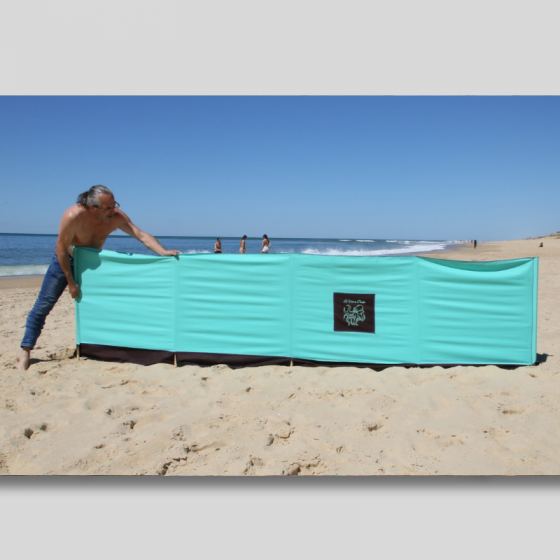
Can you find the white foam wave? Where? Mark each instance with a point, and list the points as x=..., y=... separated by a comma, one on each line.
x=345, y=240
x=373, y=253
x=392, y=241
x=194, y=252
x=365, y=240
x=24, y=270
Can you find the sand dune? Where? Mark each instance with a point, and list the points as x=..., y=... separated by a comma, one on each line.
x=69, y=416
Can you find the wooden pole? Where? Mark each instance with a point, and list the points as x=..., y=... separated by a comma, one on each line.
x=291, y=362
x=175, y=359
x=78, y=351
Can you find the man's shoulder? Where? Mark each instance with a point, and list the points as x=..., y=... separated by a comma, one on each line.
x=74, y=212
x=121, y=218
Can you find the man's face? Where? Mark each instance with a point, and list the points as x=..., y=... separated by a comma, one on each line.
x=106, y=210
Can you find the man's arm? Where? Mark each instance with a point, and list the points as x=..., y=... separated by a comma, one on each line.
x=66, y=234
x=148, y=240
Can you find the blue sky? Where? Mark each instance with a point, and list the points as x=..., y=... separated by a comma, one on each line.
x=342, y=167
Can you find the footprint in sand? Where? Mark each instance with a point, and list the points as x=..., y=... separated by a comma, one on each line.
x=372, y=426
x=181, y=433
x=305, y=467
x=10, y=404
x=284, y=430
x=28, y=432
x=62, y=353
x=208, y=447
x=251, y=464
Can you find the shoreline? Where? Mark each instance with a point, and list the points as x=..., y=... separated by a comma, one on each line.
x=34, y=280
x=505, y=250
x=483, y=250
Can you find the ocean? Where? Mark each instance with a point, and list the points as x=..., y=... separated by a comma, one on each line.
x=30, y=254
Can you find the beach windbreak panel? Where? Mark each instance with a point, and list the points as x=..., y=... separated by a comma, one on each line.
x=265, y=309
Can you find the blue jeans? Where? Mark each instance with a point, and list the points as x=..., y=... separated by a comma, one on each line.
x=51, y=290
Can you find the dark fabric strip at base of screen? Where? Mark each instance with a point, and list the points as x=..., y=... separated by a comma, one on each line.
x=150, y=357
x=232, y=360
x=125, y=355
x=377, y=367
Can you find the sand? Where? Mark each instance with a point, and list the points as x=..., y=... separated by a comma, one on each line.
x=82, y=417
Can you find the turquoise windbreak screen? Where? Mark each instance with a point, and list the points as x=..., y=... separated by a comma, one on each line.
x=375, y=310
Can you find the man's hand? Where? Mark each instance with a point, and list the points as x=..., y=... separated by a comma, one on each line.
x=74, y=289
x=169, y=253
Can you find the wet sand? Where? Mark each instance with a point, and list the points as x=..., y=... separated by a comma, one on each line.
x=22, y=282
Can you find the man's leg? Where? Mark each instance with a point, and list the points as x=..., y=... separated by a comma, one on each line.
x=54, y=284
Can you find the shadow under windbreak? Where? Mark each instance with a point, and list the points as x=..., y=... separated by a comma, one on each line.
x=541, y=358
x=235, y=361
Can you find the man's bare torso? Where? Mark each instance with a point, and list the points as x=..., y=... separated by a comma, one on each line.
x=88, y=232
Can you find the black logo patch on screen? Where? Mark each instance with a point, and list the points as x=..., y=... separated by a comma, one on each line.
x=354, y=312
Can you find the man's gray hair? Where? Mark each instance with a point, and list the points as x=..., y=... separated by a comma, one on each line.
x=91, y=197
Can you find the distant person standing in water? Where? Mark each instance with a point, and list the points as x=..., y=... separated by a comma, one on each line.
x=218, y=246
x=266, y=244
x=87, y=223
x=242, y=248
x=475, y=243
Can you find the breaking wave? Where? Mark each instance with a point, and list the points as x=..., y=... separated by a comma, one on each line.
x=24, y=270
x=419, y=248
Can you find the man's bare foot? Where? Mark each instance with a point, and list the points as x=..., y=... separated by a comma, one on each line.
x=23, y=362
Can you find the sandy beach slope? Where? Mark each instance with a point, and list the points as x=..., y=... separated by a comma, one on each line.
x=80, y=417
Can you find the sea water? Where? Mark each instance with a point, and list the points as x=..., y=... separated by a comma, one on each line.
x=30, y=254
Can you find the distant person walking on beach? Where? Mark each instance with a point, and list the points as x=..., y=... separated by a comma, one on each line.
x=266, y=244
x=242, y=248
x=85, y=224
x=475, y=243
x=218, y=246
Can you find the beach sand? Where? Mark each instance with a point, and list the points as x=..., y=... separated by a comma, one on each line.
x=82, y=417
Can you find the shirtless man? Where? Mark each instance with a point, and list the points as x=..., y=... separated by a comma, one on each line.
x=218, y=246
x=86, y=224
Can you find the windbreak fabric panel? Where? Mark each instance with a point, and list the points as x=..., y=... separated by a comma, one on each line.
x=125, y=300
x=256, y=309
x=391, y=280
x=234, y=304
x=475, y=312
